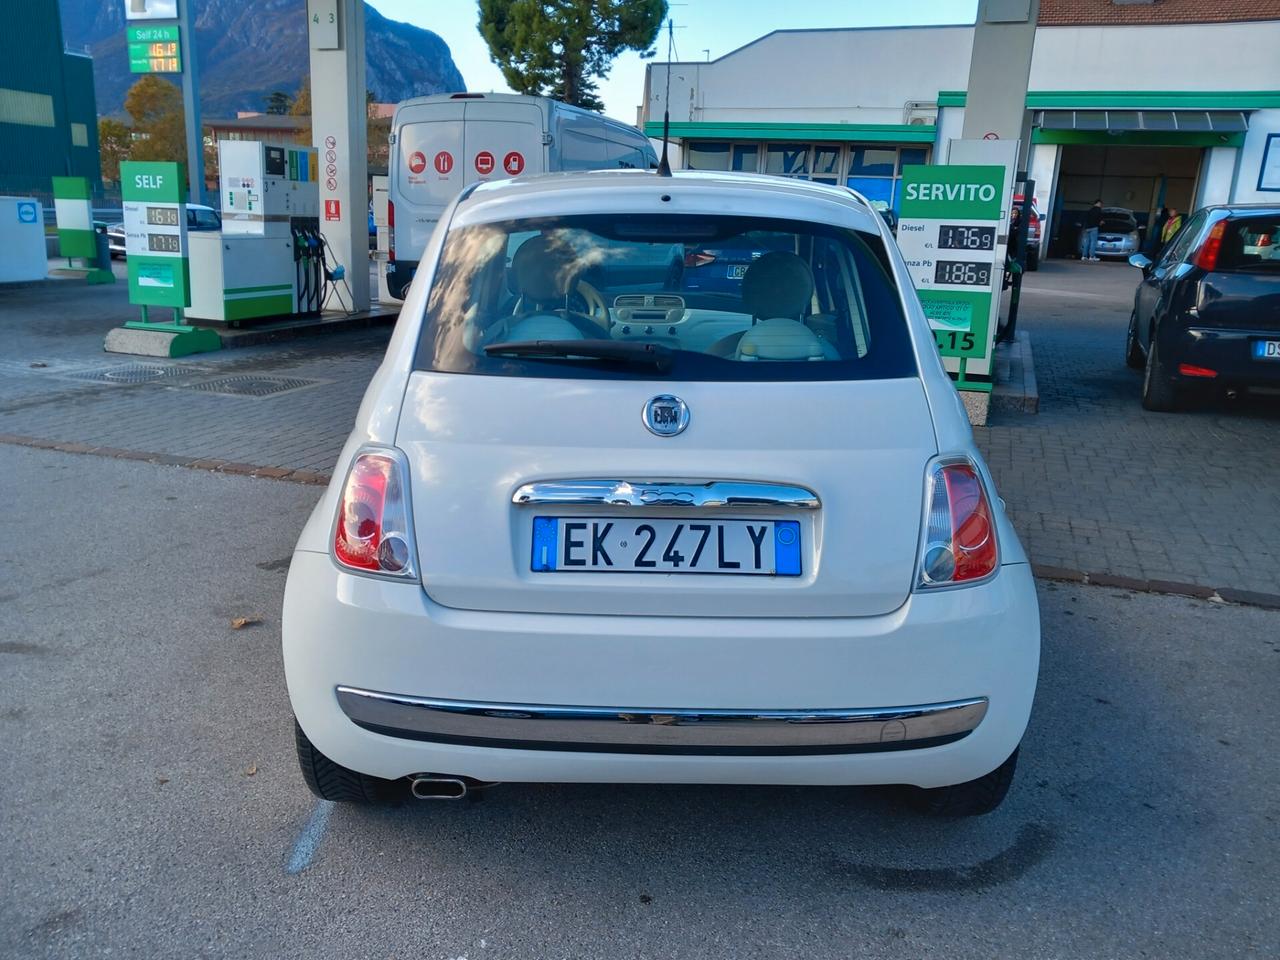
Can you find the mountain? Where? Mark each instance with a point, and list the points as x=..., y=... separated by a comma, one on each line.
x=249, y=48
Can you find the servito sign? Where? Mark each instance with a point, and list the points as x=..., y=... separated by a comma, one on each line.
x=950, y=191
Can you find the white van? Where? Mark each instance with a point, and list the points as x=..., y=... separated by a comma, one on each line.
x=444, y=143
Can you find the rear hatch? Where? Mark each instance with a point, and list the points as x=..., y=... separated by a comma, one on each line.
x=543, y=361
x=445, y=145
x=861, y=446
x=1242, y=291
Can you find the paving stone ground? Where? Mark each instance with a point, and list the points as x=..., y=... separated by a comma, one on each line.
x=1094, y=483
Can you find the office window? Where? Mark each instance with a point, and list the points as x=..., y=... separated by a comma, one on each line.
x=79, y=135
x=913, y=156
x=746, y=157
x=826, y=163
x=872, y=162
x=26, y=108
x=707, y=156
x=787, y=159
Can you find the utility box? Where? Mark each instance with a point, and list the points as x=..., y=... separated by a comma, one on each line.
x=267, y=260
x=22, y=240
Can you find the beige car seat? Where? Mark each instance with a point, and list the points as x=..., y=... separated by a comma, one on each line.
x=776, y=290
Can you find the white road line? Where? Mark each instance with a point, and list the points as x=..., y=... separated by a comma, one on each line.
x=309, y=839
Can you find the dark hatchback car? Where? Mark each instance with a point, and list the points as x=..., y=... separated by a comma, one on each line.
x=1208, y=309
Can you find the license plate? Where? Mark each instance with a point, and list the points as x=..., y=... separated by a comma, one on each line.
x=736, y=271
x=666, y=545
x=1266, y=349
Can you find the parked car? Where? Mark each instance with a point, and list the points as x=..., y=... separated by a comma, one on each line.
x=199, y=217
x=1208, y=311
x=716, y=539
x=1118, y=233
x=1034, y=229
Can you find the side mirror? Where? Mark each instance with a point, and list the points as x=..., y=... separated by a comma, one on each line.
x=1142, y=262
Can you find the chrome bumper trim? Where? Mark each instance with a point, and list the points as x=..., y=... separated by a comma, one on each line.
x=665, y=493
x=525, y=726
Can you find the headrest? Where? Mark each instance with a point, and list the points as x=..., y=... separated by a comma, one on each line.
x=544, y=270
x=778, y=284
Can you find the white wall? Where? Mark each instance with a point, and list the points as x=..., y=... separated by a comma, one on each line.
x=1191, y=56
x=1261, y=123
x=1217, y=170
x=817, y=76
x=1043, y=169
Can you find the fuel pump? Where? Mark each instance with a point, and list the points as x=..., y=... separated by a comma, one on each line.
x=261, y=265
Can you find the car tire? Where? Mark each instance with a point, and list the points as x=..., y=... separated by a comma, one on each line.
x=1159, y=392
x=973, y=798
x=1134, y=358
x=332, y=781
x=1033, y=259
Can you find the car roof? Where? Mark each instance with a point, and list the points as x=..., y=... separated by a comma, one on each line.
x=642, y=191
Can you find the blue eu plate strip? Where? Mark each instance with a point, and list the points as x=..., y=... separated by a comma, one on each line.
x=545, y=537
x=786, y=548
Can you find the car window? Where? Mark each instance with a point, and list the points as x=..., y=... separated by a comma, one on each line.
x=732, y=298
x=1251, y=245
x=1180, y=245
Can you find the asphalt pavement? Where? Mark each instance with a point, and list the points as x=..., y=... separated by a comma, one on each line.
x=153, y=806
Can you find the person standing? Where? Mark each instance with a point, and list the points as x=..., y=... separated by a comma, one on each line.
x=1171, y=226
x=1089, y=235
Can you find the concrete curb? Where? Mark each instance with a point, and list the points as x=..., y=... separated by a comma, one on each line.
x=169, y=460
x=1250, y=598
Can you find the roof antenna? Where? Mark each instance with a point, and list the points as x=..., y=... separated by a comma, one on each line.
x=664, y=165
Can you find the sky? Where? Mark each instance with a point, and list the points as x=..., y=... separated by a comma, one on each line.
x=703, y=29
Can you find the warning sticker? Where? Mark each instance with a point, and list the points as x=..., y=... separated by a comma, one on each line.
x=513, y=163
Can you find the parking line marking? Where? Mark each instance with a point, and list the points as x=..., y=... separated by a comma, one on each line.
x=309, y=839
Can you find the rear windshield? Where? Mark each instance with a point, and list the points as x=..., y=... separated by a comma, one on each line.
x=1117, y=223
x=1251, y=245
x=720, y=297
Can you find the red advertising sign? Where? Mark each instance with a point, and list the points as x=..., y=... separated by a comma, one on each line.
x=333, y=209
x=513, y=163
x=484, y=163
x=417, y=162
x=444, y=162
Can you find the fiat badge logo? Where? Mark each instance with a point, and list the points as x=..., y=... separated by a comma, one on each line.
x=666, y=416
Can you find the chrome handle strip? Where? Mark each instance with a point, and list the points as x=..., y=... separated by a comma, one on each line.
x=665, y=493
x=648, y=730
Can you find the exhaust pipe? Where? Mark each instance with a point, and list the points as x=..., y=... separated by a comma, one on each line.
x=437, y=788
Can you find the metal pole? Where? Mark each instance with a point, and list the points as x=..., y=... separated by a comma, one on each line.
x=191, y=105
x=1010, y=332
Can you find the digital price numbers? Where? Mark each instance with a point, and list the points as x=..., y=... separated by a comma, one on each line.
x=164, y=243
x=953, y=236
x=965, y=273
x=162, y=216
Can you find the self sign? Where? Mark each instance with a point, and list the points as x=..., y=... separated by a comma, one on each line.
x=513, y=163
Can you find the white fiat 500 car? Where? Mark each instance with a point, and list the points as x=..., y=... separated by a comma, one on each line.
x=593, y=527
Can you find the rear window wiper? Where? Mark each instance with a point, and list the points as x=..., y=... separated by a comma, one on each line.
x=626, y=351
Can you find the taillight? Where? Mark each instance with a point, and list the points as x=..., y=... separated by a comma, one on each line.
x=698, y=258
x=1206, y=257
x=374, y=528
x=391, y=231
x=960, y=530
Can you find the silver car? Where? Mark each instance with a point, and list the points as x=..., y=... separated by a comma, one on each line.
x=1118, y=233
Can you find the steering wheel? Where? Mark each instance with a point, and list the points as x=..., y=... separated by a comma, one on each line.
x=596, y=310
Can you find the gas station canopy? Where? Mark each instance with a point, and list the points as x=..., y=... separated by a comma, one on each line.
x=1198, y=121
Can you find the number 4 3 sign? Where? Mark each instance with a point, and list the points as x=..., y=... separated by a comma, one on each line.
x=322, y=24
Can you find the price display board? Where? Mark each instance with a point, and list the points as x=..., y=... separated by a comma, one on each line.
x=155, y=233
x=154, y=49
x=949, y=234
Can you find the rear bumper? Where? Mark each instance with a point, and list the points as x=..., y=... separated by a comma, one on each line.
x=1227, y=351
x=385, y=681
x=399, y=276
x=643, y=730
